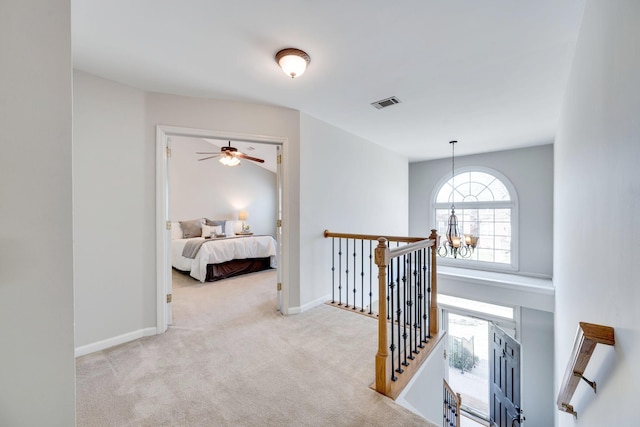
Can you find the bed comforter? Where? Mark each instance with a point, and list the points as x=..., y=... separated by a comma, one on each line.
x=216, y=251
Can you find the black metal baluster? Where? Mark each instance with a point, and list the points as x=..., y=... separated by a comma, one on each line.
x=392, y=347
x=405, y=334
x=389, y=303
x=340, y=271
x=371, y=279
x=346, y=275
x=399, y=318
x=361, y=276
x=409, y=267
x=333, y=270
x=425, y=312
x=355, y=298
x=415, y=303
x=428, y=274
x=421, y=297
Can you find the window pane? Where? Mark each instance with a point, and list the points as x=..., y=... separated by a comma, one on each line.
x=503, y=215
x=503, y=257
x=486, y=228
x=477, y=306
x=486, y=214
x=482, y=178
x=486, y=195
x=484, y=254
x=503, y=243
x=499, y=191
x=444, y=193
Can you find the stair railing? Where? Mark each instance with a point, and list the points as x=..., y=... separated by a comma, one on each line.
x=353, y=272
x=450, y=406
x=407, y=287
x=406, y=294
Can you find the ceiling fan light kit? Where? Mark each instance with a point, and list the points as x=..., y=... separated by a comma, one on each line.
x=229, y=156
x=293, y=61
x=229, y=160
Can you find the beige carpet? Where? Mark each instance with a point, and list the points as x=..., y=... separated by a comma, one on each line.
x=230, y=359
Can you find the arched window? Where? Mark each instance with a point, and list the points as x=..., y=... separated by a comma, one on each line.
x=486, y=206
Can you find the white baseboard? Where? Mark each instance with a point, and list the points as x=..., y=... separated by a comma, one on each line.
x=315, y=303
x=114, y=341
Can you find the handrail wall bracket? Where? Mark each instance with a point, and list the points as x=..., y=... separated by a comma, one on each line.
x=588, y=336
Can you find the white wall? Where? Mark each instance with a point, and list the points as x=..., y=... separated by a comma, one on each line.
x=530, y=170
x=113, y=214
x=114, y=225
x=210, y=189
x=347, y=185
x=597, y=206
x=536, y=338
x=37, y=371
x=423, y=394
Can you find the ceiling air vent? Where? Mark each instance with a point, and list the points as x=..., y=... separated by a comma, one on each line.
x=387, y=102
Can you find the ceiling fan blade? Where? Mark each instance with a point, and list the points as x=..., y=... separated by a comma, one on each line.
x=210, y=157
x=244, y=156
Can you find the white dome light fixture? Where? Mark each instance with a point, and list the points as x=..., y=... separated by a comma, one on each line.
x=293, y=61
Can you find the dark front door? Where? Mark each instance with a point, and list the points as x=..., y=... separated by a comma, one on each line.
x=504, y=379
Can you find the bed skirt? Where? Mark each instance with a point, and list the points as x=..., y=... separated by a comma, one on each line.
x=236, y=267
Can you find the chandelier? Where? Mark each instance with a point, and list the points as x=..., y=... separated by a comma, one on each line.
x=455, y=244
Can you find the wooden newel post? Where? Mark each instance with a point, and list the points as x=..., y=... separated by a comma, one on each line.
x=434, y=326
x=383, y=383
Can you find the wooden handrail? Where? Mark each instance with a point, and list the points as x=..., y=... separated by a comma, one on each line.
x=403, y=239
x=587, y=337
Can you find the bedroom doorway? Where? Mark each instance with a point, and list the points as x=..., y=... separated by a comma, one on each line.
x=167, y=136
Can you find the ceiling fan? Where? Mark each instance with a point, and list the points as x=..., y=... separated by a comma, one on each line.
x=230, y=156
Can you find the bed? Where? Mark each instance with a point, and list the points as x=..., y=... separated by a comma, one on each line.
x=214, y=258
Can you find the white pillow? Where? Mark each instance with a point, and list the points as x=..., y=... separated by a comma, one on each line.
x=229, y=228
x=211, y=230
x=176, y=231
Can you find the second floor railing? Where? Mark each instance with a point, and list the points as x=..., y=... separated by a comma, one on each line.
x=403, y=282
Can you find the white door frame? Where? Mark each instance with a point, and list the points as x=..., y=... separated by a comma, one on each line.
x=163, y=234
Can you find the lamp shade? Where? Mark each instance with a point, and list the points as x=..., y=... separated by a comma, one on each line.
x=293, y=61
x=243, y=215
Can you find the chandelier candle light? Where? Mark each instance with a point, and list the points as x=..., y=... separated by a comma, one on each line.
x=455, y=245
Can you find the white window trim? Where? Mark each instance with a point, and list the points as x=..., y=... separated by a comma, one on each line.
x=513, y=204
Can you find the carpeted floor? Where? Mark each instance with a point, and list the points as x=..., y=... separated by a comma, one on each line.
x=230, y=359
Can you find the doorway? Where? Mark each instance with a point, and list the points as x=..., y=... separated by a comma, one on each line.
x=469, y=324
x=163, y=227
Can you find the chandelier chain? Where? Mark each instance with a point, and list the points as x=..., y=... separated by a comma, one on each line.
x=453, y=177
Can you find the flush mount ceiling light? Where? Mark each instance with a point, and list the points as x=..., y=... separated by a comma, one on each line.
x=293, y=61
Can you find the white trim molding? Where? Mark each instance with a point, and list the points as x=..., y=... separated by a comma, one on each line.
x=497, y=288
x=163, y=258
x=114, y=341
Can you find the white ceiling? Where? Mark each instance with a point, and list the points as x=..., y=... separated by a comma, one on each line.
x=488, y=73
